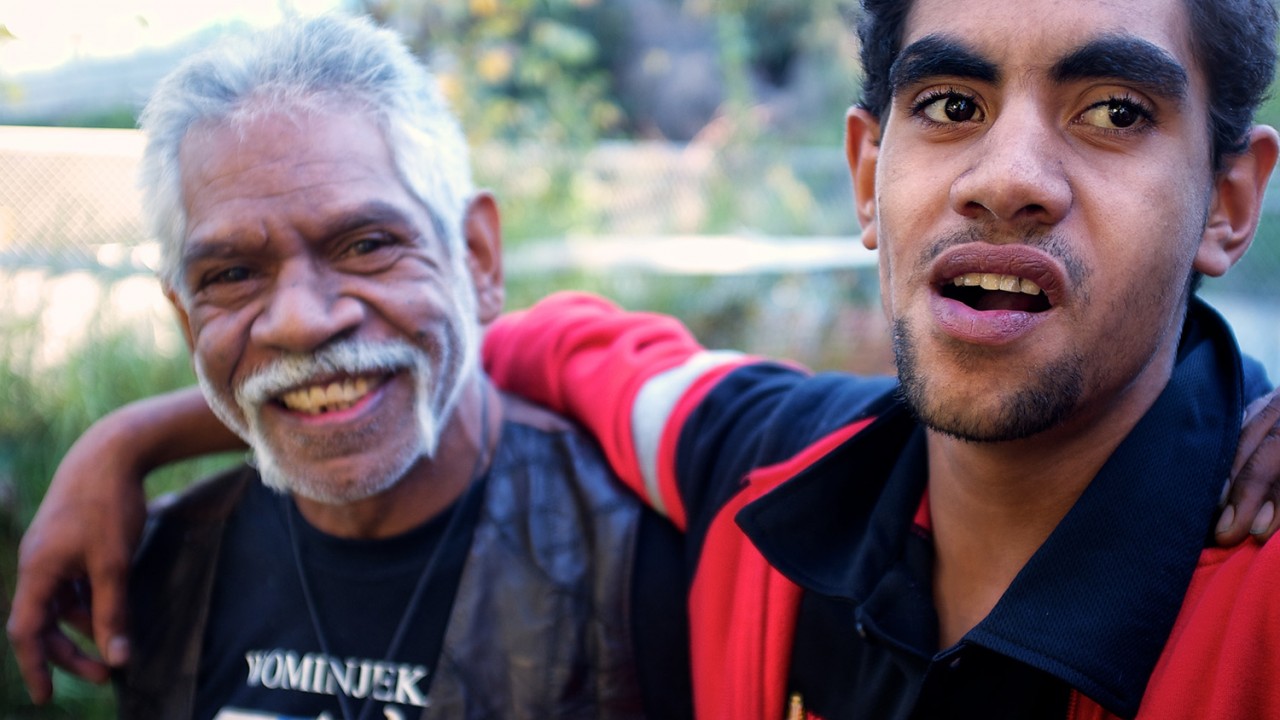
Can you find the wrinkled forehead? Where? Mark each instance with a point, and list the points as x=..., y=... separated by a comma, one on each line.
x=254, y=122
x=424, y=173
x=279, y=155
x=292, y=153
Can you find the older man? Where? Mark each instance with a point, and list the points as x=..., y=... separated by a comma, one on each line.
x=407, y=542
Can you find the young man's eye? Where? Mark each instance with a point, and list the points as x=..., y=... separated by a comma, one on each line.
x=948, y=107
x=1116, y=114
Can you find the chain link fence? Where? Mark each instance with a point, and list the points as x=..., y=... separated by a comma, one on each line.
x=68, y=199
x=69, y=203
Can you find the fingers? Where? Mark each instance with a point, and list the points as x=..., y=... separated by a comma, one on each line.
x=30, y=616
x=52, y=600
x=66, y=654
x=28, y=650
x=85, y=529
x=109, y=613
x=1254, y=495
x=40, y=600
x=72, y=608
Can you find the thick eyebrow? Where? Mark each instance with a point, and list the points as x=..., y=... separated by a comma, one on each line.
x=1125, y=58
x=1128, y=59
x=934, y=56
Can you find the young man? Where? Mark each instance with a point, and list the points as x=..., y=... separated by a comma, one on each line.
x=1018, y=528
x=1072, y=442
x=409, y=543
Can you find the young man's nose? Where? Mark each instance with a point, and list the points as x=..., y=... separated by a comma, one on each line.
x=1016, y=171
x=306, y=310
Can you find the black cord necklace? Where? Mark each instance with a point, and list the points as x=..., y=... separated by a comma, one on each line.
x=428, y=568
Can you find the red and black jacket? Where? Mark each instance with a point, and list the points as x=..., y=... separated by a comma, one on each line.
x=802, y=500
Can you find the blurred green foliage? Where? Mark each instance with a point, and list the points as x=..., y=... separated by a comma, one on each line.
x=515, y=70
x=552, y=71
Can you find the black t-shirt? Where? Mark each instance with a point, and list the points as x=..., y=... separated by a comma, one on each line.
x=261, y=658
x=360, y=590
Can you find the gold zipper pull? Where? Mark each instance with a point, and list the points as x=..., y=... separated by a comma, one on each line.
x=795, y=708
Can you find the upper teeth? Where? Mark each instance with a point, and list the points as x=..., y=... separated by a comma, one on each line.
x=995, y=281
x=316, y=399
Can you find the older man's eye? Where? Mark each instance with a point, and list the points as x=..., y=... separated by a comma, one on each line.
x=367, y=245
x=948, y=108
x=228, y=275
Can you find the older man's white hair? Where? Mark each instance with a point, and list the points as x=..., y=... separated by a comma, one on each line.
x=325, y=63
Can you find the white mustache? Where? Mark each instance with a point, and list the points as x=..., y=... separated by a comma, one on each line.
x=347, y=357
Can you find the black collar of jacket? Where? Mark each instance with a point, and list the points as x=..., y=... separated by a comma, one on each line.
x=1097, y=601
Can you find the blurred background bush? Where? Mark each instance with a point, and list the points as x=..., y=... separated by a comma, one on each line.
x=677, y=155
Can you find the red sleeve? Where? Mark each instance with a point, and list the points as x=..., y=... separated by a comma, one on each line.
x=583, y=357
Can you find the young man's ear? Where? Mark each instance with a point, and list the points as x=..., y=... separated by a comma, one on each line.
x=862, y=148
x=483, y=229
x=1237, y=203
x=184, y=320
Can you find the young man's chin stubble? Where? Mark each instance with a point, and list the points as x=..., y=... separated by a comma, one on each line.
x=1038, y=405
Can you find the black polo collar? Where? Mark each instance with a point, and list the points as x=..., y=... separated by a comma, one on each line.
x=1096, y=602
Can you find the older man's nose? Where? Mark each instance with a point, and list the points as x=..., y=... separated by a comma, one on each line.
x=305, y=311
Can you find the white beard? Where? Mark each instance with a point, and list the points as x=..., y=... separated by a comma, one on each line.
x=350, y=357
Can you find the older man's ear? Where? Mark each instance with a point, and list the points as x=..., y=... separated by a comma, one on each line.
x=184, y=321
x=483, y=228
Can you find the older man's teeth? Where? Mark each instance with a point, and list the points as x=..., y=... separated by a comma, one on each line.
x=996, y=281
x=326, y=398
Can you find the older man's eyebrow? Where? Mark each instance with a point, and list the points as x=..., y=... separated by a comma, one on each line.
x=938, y=56
x=369, y=214
x=377, y=212
x=198, y=250
x=1131, y=60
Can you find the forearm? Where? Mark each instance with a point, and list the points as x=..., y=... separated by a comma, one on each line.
x=629, y=378
x=159, y=430
x=585, y=358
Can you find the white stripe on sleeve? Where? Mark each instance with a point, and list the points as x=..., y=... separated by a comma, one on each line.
x=653, y=407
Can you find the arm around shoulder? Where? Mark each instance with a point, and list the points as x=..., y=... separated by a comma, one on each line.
x=582, y=356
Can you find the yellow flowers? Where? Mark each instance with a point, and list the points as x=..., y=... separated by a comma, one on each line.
x=484, y=8
x=495, y=65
